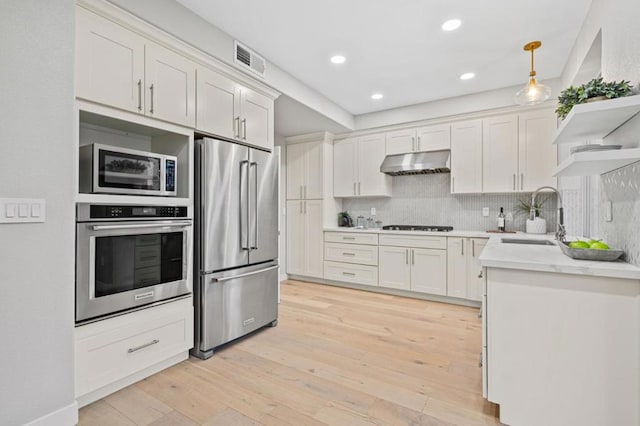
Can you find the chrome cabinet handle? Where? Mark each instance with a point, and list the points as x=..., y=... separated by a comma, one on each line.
x=473, y=248
x=355, y=192
x=413, y=143
x=419, y=147
x=348, y=254
x=359, y=192
x=514, y=181
x=413, y=257
x=348, y=238
x=305, y=207
x=139, y=95
x=406, y=256
x=236, y=127
x=305, y=191
x=480, y=274
x=351, y=274
x=521, y=181
x=146, y=345
x=142, y=225
x=244, y=129
x=462, y=247
x=151, y=107
x=301, y=197
x=248, y=274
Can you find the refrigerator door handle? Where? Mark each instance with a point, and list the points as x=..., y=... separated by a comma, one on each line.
x=244, y=208
x=256, y=213
x=248, y=274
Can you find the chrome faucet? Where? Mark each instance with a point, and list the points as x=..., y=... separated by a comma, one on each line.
x=561, y=232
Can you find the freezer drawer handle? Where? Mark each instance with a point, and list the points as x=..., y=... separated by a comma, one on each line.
x=146, y=345
x=141, y=225
x=248, y=274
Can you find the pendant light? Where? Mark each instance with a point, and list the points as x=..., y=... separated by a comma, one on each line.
x=533, y=92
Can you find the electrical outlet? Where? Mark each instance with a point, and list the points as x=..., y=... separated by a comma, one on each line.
x=608, y=211
x=373, y=211
x=485, y=212
x=509, y=216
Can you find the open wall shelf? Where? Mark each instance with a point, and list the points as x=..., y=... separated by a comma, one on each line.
x=598, y=162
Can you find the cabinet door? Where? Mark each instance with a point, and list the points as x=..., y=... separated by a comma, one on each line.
x=466, y=157
x=217, y=104
x=500, y=154
x=429, y=271
x=394, y=270
x=109, y=63
x=295, y=171
x=538, y=157
x=313, y=234
x=313, y=171
x=371, y=153
x=474, y=280
x=400, y=141
x=345, y=168
x=457, y=267
x=257, y=119
x=295, y=238
x=170, y=81
x=433, y=138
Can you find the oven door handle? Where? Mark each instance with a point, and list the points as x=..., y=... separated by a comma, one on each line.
x=248, y=274
x=141, y=225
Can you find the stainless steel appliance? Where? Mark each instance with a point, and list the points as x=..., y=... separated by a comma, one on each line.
x=130, y=256
x=430, y=228
x=115, y=170
x=236, y=241
x=416, y=163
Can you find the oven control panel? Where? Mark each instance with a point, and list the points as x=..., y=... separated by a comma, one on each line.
x=100, y=211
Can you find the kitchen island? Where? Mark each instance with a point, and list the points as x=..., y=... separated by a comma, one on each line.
x=561, y=337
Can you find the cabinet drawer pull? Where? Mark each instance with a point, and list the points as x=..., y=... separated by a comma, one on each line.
x=351, y=274
x=348, y=238
x=146, y=345
x=151, y=107
x=139, y=95
x=348, y=254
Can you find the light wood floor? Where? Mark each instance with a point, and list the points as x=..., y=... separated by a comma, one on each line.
x=337, y=357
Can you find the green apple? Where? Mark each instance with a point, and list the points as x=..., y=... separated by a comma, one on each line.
x=598, y=245
x=593, y=241
x=579, y=245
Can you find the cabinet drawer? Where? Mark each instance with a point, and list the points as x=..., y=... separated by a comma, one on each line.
x=357, y=274
x=351, y=253
x=418, y=241
x=112, y=349
x=351, y=238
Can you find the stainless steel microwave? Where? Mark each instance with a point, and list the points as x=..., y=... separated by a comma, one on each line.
x=114, y=170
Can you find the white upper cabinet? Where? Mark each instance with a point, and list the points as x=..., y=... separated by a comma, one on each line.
x=500, y=154
x=466, y=157
x=538, y=157
x=400, y=141
x=218, y=104
x=433, y=138
x=257, y=121
x=170, y=80
x=109, y=63
x=305, y=171
x=116, y=67
x=356, y=167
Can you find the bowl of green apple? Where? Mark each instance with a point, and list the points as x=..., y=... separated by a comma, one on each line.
x=590, y=250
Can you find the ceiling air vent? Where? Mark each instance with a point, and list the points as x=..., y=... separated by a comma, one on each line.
x=247, y=58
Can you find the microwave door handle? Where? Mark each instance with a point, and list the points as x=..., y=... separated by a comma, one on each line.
x=256, y=214
x=141, y=225
x=244, y=200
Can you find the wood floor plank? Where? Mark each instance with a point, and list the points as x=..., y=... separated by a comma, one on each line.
x=337, y=357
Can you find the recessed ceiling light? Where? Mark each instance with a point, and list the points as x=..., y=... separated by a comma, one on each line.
x=338, y=59
x=451, y=24
x=467, y=76
x=377, y=96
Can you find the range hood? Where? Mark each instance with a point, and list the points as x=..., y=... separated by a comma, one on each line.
x=416, y=163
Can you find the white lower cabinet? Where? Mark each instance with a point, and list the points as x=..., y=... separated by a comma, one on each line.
x=394, y=268
x=475, y=279
x=463, y=267
x=351, y=273
x=304, y=238
x=351, y=253
x=109, y=351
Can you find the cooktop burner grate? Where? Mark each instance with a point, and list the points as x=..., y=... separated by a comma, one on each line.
x=429, y=228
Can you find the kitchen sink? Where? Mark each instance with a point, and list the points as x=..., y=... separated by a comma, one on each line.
x=528, y=241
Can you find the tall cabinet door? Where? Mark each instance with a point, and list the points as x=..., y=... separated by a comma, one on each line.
x=263, y=205
x=345, y=169
x=296, y=158
x=429, y=271
x=457, y=267
x=433, y=138
x=394, y=270
x=371, y=153
x=538, y=157
x=466, y=157
x=500, y=154
x=170, y=80
x=109, y=63
x=257, y=119
x=295, y=238
x=314, y=236
x=313, y=171
x=475, y=279
x=218, y=104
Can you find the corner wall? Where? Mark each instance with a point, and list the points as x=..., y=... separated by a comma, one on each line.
x=37, y=260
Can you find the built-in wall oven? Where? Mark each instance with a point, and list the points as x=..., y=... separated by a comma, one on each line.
x=128, y=257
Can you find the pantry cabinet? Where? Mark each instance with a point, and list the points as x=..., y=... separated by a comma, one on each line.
x=118, y=68
x=305, y=171
x=305, y=238
x=466, y=157
x=500, y=153
x=357, y=167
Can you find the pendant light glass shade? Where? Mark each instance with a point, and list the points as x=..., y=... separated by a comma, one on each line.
x=533, y=92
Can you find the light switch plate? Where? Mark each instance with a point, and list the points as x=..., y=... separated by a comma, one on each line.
x=608, y=211
x=485, y=212
x=22, y=210
x=373, y=211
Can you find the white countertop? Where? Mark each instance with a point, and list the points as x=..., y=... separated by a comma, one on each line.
x=454, y=233
x=548, y=259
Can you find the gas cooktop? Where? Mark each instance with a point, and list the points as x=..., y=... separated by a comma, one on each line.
x=417, y=228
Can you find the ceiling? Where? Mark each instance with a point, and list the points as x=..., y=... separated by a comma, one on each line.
x=397, y=47
x=293, y=118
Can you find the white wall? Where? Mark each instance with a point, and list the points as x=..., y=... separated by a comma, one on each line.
x=36, y=161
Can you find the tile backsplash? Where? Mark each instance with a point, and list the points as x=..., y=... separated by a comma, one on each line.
x=427, y=200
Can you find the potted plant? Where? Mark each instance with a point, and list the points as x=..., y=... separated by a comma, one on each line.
x=596, y=89
x=538, y=225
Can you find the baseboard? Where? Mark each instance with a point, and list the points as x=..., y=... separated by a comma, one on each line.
x=65, y=416
x=283, y=277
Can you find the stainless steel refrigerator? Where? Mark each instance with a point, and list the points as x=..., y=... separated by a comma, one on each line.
x=236, y=242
